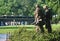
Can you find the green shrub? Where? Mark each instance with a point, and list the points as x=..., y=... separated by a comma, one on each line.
x=25, y=35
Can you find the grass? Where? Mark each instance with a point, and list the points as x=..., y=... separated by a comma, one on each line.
x=6, y=29
x=26, y=35
x=55, y=26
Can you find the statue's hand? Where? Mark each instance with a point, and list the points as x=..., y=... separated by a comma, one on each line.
x=40, y=19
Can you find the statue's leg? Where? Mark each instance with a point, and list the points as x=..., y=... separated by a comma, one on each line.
x=49, y=27
x=37, y=28
x=41, y=27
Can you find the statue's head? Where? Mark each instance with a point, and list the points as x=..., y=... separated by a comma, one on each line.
x=45, y=7
x=37, y=5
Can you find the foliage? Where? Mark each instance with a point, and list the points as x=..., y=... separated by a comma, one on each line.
x=27, y=7
x=23, y=35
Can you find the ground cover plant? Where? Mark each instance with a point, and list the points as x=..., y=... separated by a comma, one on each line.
x=22, y=34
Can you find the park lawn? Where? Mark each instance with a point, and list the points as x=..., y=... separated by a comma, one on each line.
x=56, y=27
x=15, y=27
x=7, y=29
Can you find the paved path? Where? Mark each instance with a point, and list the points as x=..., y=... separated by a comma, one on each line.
x=3, y=37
